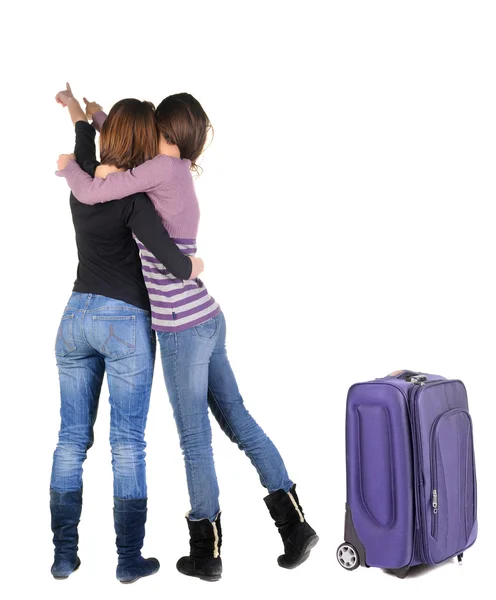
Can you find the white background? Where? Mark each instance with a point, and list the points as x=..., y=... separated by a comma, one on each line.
x=347, y=228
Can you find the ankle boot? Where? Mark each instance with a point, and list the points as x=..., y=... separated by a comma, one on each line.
x=65, y=509
x=129, y=522
x=204, y=559
x=297, y=535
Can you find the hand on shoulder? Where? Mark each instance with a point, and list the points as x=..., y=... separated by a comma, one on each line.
x=103, y=170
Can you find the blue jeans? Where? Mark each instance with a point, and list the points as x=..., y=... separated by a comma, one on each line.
x=99, y=334
x=198, y=376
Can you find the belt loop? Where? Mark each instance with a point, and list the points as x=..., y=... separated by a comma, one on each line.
x=88, y=300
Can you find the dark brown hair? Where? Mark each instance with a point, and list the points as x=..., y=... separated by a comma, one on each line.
x=182, y=121
x=129, y=134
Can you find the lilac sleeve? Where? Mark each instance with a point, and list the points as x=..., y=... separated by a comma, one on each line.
x=98, y=119
x=148, y=177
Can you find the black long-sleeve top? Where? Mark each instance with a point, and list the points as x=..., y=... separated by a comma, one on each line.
x=109, y=262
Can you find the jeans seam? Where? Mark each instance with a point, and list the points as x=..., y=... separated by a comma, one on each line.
x=180, y=413
x=127, y=308
x=146, y=407
x=250, y=456
x=56, y=476
x=83, y=333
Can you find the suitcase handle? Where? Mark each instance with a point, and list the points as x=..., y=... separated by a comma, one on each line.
x=410, y=376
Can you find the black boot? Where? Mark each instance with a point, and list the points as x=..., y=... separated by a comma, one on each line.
x=129, y=522
x=204, y=559
x=297, y=535
x=65, y=508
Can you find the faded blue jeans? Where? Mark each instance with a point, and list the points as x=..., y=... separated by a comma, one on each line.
x=198, y=376
x=99, y=334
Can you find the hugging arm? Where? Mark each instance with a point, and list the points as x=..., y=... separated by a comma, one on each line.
x=148, y=177
x=146, y=224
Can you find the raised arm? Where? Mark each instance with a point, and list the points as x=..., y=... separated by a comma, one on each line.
x=84, y=152
x=95, y=112
x=97, y=119
x=66, y=98
x=148, y=177
x=85, y=149
x=146, y=224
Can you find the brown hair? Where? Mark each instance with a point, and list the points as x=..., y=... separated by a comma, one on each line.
x=129, y=134
x=182, y=121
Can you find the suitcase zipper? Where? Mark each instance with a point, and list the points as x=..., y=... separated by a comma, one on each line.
x=417, y=542
x=419, y=385
x=434, y=514
x=434, y=494
x=419, y=488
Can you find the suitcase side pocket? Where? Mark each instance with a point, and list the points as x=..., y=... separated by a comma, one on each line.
x=452, y=492
x=374, y=451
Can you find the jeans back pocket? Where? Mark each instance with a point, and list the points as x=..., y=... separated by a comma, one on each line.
x=208, y=329
x=64, y=344
x=115, y=336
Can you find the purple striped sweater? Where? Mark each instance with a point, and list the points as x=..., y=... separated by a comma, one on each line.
x=176, y=304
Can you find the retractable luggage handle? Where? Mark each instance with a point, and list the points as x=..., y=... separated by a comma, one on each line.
x=410, y=376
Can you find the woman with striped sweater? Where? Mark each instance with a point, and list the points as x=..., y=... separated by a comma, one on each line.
x=191, y=330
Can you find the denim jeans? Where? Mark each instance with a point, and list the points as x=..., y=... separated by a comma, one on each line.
x=99, y=334
x=198, y=376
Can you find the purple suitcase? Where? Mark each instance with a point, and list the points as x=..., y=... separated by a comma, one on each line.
x=411, y=485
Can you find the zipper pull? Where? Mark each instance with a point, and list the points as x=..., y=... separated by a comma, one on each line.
x=434, y=501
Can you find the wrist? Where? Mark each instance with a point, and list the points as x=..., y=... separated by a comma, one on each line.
x=197, y=266
x=69, y=168
x=94, y=111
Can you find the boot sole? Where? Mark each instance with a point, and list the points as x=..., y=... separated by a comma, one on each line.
x=305, y=553
x=138, y=578
x=59, y=578
x=210, y=578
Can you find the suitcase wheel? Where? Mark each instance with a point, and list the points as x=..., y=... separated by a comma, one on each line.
x=348, y=557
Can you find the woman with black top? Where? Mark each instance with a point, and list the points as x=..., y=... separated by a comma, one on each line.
x=106, y=328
